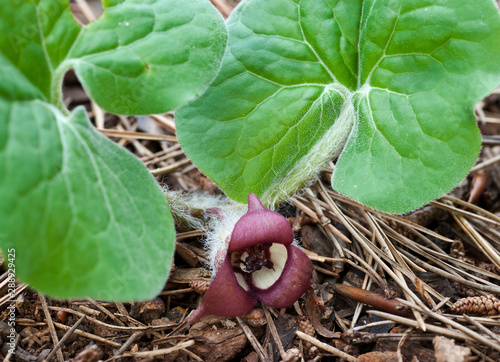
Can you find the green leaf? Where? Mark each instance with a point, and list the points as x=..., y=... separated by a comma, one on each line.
x=147, y=56
x=36, y=38
x=82, y=215
x=85, y=217
x=389, y=86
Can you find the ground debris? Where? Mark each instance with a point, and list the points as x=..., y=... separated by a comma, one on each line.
x=91, y=353
x=378, y=357
x=199, y=286
x=483, y=305
x=445, y=350
x=148, y=311
x=215, y=340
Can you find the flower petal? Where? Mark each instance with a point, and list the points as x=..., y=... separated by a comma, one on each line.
x=265, y=277
x=225, y=297
x=293, y=282
x=258, y=226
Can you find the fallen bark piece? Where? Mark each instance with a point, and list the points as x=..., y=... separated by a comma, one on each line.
x=378, y=356
x=215, y=341
x=314, y=306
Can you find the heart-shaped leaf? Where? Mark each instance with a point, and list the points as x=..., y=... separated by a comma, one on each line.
x=388, y=86
x=84, y=217
x=145, y=56
x=81, y=214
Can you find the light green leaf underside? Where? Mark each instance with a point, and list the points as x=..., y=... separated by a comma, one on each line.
x=394, y=82
x=150, y=56
x=83, y=217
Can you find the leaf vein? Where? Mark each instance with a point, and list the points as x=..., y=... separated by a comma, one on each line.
x=320, y=61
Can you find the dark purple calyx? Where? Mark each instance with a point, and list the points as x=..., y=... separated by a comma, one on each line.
x=261, y=264
x=259, y=226
x=225, y=296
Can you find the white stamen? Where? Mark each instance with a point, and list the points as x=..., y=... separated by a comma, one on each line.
x=243, y=259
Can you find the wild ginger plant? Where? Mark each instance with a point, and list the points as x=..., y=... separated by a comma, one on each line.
x=385, y=88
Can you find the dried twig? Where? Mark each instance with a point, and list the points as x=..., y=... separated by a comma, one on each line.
x=373, y=299
x=117, y=328
x=128, y=343
x=86, y=10
x=8, y=297
x=486, y=288
x=470, y=333
x=274, y=332
x=253, y=341
x=335, y=351
x=88, y=335
x=485, y=164
x=482, y=328
x=50, y=323
x=137, y=135
x=64, y=338
x=171, y=168
x=156, y=353
x=107, y=312
x=429, y=327
x=223, y=7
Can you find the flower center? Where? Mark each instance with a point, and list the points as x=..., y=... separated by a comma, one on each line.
x=253, y=259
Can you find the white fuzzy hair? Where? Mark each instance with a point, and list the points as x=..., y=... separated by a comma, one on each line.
x=218, y=226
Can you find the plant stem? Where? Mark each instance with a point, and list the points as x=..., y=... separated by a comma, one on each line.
x=327, y=148
x=56, y=96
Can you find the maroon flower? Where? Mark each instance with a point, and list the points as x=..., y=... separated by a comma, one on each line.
x=261, y=264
